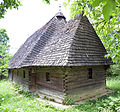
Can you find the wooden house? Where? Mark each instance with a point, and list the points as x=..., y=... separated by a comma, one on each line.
x=62, y=60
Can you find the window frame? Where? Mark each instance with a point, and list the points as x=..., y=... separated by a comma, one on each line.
x=47, y=77
x=90, y=73
x=24, y=74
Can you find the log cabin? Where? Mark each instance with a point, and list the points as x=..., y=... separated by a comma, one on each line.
x=63, y=60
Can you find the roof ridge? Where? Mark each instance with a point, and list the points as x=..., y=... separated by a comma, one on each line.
x=80, y=17
x=86, y=47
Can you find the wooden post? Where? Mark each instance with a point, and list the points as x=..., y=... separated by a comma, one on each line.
x=32, y=80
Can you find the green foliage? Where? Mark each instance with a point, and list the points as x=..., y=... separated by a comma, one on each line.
x=4, y=52
x=113, y=83
x=46, y=1
x=45, y=97
x=22, y=91
x=37, y=95
x=69, y=100
x=96, y=3
x=14, y=102
x=114, y=70
x=8, y=4
x=50, y=98
x=108, y=103
x=4, y=47
x=107, y=7
x=1, y=98
x=3, y=37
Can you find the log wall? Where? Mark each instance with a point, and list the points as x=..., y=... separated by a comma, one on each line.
x=64, y=81
x=78, y=83
x=52, y=88
x=56, y=76
x=16, y=76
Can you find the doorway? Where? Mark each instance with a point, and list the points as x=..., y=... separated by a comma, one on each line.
x=32, y=81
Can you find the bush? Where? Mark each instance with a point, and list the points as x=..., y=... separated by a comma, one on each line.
x=21, y=90
x=68, y=101
x=114, y=70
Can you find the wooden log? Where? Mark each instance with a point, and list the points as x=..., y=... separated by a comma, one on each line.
x=79, y=85
x=86, y=89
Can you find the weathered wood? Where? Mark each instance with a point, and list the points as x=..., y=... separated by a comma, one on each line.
x=18, y=78
x=79, y=85
x=83, y=79
x=67, y=81
x=86, y=89
x=49, y=86
x=32, y=81
x=55, y=83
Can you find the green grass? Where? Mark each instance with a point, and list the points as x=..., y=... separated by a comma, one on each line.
x=113, y=83
x=11, y=101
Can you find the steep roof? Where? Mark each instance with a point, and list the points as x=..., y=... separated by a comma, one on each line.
x=61, y=43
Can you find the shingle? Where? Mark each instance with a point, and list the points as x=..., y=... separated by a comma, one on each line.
x=61, y=43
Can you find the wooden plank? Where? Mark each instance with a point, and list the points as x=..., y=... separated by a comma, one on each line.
x=56, y=77
x=50, y=86
x=79, y=85
x=86, y=89
x=81, y=78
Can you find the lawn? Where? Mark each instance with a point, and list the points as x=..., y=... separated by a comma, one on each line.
x=11, y=101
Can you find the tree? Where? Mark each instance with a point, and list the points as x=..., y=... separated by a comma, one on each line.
x=105, y=18
x=4, y=51
x=8, y=4
x=4, y=39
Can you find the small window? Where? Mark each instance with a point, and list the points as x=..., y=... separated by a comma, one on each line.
x=9, y=72
x=12, y=75
x=47, y=77
x=23, y=73
x=17, y=72
x=90, y=73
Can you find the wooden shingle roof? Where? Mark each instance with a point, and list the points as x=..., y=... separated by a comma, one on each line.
x=62, y=43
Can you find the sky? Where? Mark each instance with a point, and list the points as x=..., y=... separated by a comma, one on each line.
x=32, y=15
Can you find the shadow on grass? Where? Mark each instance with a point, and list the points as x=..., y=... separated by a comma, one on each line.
x=107, y=103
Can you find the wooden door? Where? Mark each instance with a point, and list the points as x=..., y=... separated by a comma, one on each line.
x=32, y=81
x=12, y=76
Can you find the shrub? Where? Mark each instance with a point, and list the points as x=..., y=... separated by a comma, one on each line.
x=36, y=95
x=45, y=97
x=21, y=90
x=114, y=70
x=51, y=99
x=68, y=101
